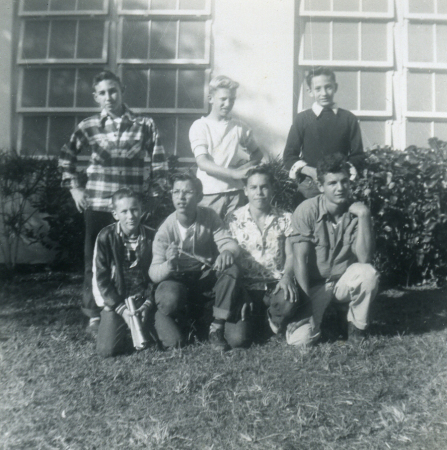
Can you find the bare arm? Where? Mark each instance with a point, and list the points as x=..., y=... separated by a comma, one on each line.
x=363, y=247
x=286, y=283
x=301, y=252
x=206, y=163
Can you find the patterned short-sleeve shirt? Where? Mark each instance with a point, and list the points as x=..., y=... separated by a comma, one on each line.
x=262, y=254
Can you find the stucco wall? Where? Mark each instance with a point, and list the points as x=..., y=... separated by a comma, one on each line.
x=253, y=44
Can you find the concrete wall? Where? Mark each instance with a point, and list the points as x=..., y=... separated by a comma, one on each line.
x=253, y=44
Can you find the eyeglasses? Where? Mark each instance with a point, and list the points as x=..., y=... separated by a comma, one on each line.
x=179, y=192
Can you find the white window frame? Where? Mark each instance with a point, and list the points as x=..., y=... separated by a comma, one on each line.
x=147, y=12
x=388, y=15
x=48, y=12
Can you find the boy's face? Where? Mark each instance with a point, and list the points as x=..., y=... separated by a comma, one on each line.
x=336, y=188
x=127, y=211
x=222, y=101
x=109, y=96
x=323, y=90
x=185, y=197
x=259, y=191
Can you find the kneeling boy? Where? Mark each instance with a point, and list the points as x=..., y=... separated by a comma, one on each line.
x=190, y=238
x=120, y=270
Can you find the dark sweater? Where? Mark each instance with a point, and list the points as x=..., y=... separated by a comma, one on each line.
x=311, y=137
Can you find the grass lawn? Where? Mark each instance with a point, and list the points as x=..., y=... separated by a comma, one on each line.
x=389, y=393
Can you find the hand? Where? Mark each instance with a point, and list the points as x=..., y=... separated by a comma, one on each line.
x=241, y=172
x=80, y=198
x=143, y=311
x=223, y=261
x=359, y=209
x=310, y=172
x=173, y=255
x=246, y=311
x=288, y=286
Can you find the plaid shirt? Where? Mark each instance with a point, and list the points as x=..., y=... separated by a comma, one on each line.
x=117, y=155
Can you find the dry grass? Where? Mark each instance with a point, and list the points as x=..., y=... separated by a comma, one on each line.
x=390, y=393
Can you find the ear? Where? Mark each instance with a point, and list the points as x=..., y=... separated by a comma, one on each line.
x=95, y=97
x=245, y=191
x=115, y=215
x=335, y=87
x=320, y=187
x=199, y=197
x=310, y=92
x=210, y=99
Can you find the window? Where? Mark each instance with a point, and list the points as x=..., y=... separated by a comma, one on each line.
x=390, y=60
x=160, y=49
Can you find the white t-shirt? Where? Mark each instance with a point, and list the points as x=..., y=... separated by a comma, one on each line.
x=229, y=143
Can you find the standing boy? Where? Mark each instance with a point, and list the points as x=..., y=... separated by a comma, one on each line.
x=224, y=149
x=322, y=130
x=266, y=257
x=120, y=270
x=193, y=254
x=117, y=142
x=333, y=247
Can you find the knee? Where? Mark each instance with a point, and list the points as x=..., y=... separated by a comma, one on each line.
x=238, y=334
x=365, y=275
x=170, y=297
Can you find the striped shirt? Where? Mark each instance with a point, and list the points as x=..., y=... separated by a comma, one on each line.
x=117, y=155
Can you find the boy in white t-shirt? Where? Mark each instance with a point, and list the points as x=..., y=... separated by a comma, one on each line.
x=224, y=149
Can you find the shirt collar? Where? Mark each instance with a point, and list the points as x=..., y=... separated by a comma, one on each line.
x=273, y=213
x=120, y=232
x=322, y=209
x=316, y=108
x=126, y=116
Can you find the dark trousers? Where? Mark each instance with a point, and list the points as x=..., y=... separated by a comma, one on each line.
x=114, y=336
x=182, y=300
x=95, y=221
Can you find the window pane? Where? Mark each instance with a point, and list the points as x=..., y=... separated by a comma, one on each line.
x=163, y=4
x=129, y=5
x=136, y=88
x=345, y=41
x=192, y=40
x=166, y=127
x=84, y=96
x=420, y=42
x=373, y=91
x=34, y=131
x=441, y=43
x=419, y=92
x=61, y=128
x=90, y=39
x=316, y=40
x=441, y=92
x=375, y=5
x=373, y=132
x=346, y=96
x=162, y=89
x=317, y=5
x=374, y=41
x=135, y=40
x=192, y=4
x=421, y=6
x=441, y=130
x=62, y=5
x=90, y=5
x=442, y=7
x=62, y=40
x=35, y=5
x=62, y=83
x=35, y=39
x=346, y=5
x=163, y=39
x=34, y=92
x=183, y=145
x=418, y=133
x=191, y=88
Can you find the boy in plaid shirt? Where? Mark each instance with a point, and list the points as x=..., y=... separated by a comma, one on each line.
x=117, y=142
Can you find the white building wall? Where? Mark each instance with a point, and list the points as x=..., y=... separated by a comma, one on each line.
x=253, y=44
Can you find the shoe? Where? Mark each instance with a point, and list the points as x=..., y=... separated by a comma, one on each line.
x=342, y=325
x=355, y=335
x=217, y=339
x=93, y=327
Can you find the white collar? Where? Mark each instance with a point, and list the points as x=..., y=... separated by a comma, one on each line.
x=316, y=108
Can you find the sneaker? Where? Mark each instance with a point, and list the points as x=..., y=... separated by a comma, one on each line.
x=93, y=327
x=355, y=335
x=217, y=339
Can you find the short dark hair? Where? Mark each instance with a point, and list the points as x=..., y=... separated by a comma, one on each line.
x=106, y=75
x=317, y=71
x=188, y=176
x=261, y=170
x=125, y=193
x=333, y=163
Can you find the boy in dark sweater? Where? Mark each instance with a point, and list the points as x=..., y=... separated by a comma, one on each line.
x=322, y=130
x=122, y=255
